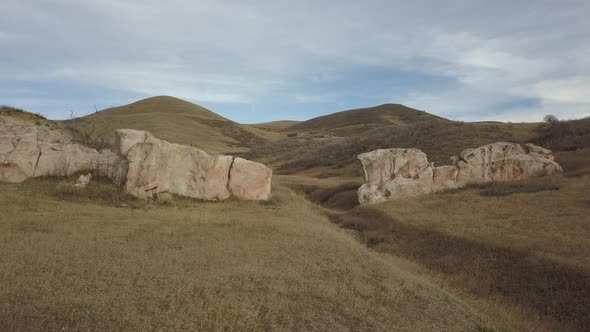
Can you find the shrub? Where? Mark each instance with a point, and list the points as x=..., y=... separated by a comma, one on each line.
x=509, y=188
x=564, y=135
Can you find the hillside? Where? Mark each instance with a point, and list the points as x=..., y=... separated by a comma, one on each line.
x=275, y=125
x=16, y=116
x=177, y=121
x=363, y=119
x=98, y=260
x=438, y=138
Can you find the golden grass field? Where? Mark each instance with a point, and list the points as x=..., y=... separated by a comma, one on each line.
x=527, y=253
x=86, y=262
x=503, y=257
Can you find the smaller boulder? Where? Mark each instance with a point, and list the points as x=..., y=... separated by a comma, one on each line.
x=83, y=181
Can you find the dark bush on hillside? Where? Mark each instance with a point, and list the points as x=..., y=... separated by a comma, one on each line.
x=91, y=132
x=509, y=188
x=565, y=135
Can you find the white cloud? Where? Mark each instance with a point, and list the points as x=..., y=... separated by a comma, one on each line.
x=251, y=52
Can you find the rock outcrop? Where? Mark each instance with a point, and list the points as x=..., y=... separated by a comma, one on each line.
x=57, y=159
x=156, y=166
x=143, y=165
x=83, y=181
x=398, y=173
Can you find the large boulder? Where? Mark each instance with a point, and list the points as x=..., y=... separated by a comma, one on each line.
x=398, y=173
x=156, y=166
x=505, y=162
x=249, y=180
x=394, y=174
x=18, y=153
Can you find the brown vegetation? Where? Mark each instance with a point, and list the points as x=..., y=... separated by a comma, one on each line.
x=439, y=140
x=353, y=121
x=71, y=264
x=179, y=121
x=527, y=253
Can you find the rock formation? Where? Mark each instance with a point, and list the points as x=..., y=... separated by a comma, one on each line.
x=83, y=180
x=143, y=165
x=397, y=173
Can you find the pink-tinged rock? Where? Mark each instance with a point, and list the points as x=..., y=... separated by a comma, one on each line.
x=505, y=162
x=397, y=173
x=65, y=159
x=393, y=174
x=249, y=180
x=445, y=177
x=160, y=166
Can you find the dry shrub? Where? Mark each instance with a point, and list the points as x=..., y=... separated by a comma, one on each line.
x=508, y=188
x=438, y=139
x=564, y=135
x=90, y=131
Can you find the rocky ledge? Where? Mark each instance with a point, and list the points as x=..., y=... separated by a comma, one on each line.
x=397, y=173
x=142, y=164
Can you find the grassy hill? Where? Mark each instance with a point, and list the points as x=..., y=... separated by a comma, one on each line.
x=177, y=121
x=336, y=156
x=363, y=119
x=498, y=257
x=16, y=116
x=276, y=126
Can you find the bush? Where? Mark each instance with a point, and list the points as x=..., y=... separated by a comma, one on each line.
x=509, y=188
x=564, y=135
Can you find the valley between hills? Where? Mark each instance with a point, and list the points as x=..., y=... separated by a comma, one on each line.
x=491, y=257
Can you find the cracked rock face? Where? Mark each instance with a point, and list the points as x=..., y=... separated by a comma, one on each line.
x=157, y=166
x=144, y=165
x=397, y=173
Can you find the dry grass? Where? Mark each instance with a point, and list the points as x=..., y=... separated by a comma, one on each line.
x=438, y=139
x=524, y=253
x=360, y=120
x=275, y=126
x=180, y=122
x=71, y=264
x=497, y=188
x=17, y=116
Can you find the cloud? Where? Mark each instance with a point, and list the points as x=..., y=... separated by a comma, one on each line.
x=466, y=60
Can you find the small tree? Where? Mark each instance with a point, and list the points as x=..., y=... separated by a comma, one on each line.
x=550, y=118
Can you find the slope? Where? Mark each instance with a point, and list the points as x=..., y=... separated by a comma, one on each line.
x=85, y=261
x=363, y=119
x=177, y=121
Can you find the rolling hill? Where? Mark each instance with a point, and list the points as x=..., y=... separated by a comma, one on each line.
x=103, y=260
x=363, y=119
x=275, y=125
x=177, y=121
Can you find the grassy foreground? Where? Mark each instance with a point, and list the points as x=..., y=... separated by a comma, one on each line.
x=520, y=248
x=104, y=261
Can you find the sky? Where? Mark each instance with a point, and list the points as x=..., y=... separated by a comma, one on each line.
x=256, y=61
